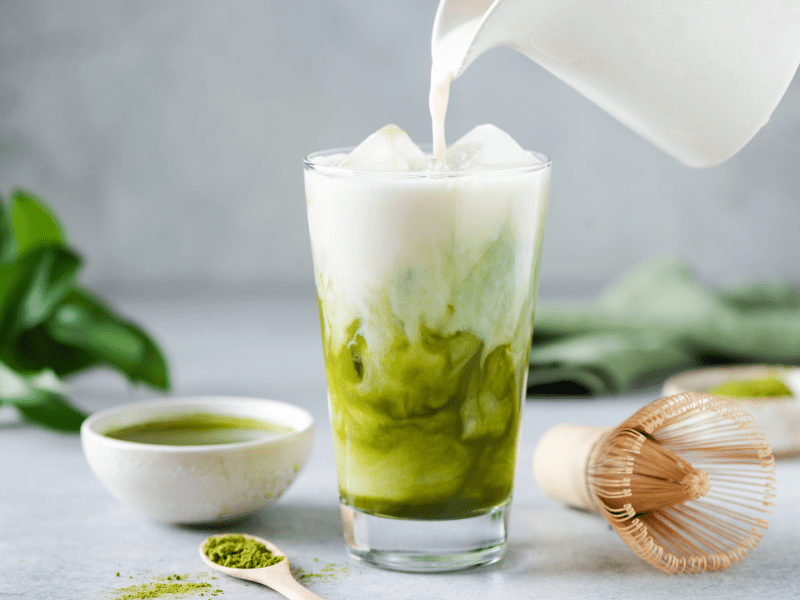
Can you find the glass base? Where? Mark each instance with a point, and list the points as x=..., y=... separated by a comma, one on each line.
x=417, y=545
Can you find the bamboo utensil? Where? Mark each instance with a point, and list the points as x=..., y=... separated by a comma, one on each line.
x=686, y=481
x=277, y=576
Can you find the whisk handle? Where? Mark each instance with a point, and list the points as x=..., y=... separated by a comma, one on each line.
x=560, y=461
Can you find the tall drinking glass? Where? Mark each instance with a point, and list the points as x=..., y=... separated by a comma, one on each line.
x=426, y=283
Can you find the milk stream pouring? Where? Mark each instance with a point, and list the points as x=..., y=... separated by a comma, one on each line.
x=697, y=78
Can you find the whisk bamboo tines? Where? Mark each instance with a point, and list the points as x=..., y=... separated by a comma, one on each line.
x=685, y=482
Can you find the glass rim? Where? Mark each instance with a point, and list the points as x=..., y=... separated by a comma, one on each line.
x=310, y=165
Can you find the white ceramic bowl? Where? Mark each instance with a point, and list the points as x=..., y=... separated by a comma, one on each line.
x=779, y=418
x=198, y=484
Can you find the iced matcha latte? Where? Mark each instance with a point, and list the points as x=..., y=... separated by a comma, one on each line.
x=426, y=277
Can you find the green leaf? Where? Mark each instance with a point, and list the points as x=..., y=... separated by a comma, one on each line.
x=38, y=399
x=49, y=326
x=31, y=287
x=83, y=321
x=34, y=224
x=35, y=350
x=49, y=409
x=8, y=247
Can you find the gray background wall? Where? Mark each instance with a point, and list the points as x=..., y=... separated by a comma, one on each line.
x=169, y=137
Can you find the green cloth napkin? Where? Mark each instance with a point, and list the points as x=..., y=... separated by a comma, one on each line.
x=657, y=320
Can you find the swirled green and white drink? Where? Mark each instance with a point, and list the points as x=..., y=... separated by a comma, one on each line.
x=426, y=276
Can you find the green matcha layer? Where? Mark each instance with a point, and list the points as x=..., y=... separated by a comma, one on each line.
x=427, y=430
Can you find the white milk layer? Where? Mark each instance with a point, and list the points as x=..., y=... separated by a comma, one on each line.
x=446, y=252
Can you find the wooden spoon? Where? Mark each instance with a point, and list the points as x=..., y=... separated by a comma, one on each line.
x=277, y=576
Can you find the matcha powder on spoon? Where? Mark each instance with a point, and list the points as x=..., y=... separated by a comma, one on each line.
x=238, y=552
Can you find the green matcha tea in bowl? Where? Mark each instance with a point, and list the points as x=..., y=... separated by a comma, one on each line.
x=769, y=393
x=201, y=459
x=426, y=276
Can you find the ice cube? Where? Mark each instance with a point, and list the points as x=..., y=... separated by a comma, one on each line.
x=388, y=149
x=487, y=147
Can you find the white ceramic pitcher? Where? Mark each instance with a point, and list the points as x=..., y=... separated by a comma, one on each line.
x=697, y=78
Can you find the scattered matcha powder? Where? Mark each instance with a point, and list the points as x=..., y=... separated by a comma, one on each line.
x=166, y=587
x=238, y=552
x=327, y=573
x=159, y=590
x=766, y=387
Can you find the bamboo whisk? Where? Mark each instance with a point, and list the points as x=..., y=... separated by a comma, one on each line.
x=685, y=482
